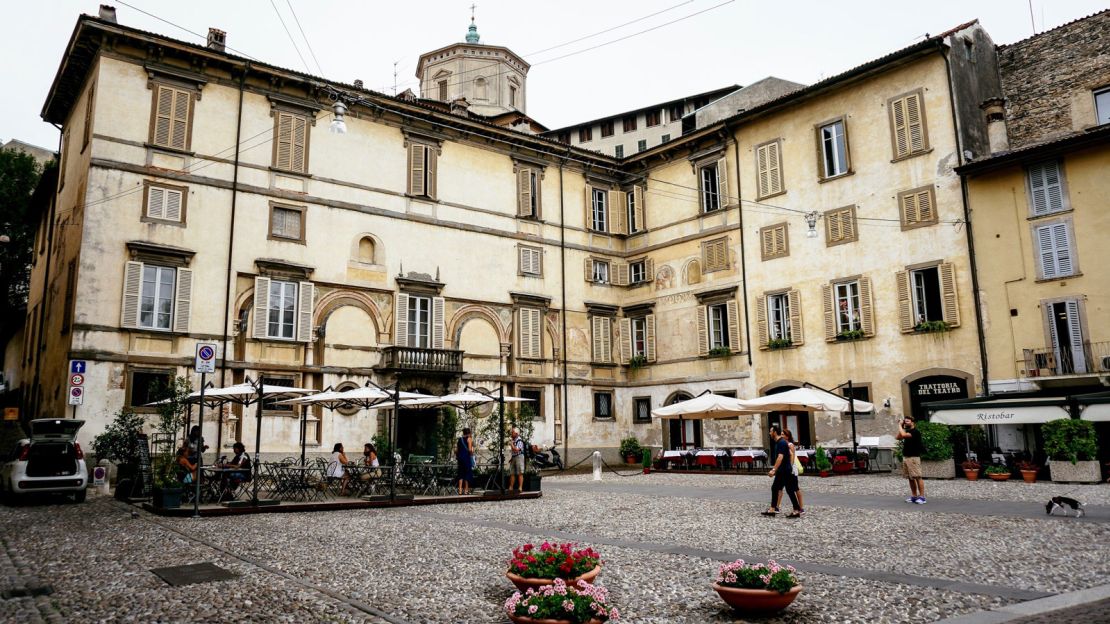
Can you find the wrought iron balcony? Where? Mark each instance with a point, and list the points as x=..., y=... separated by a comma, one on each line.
x=413, y=359
x=1092, y=359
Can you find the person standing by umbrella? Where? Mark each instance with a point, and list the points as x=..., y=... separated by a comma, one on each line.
x=464, y=455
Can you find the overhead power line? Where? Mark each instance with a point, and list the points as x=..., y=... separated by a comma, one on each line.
x=290, y=35
x=180, y=27
x=305, y=37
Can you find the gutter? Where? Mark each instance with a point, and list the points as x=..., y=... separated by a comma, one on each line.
x=231, y=228
x=563, y=305
x=743, y=247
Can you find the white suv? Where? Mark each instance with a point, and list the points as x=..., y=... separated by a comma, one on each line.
x=51, y=461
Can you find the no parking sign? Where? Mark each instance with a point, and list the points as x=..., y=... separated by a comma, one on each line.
x=206, y=357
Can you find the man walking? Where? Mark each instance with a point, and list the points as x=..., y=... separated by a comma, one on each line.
x=781, y=472
x=516, y=462
x=912, y=448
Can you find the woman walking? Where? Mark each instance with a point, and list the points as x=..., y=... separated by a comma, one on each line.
x=793, y=479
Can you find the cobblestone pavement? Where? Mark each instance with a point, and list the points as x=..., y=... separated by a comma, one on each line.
x=445, y=563
x=1088, y=614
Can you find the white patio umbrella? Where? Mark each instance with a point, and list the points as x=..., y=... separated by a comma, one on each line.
x=703, y=406
x=803, y=400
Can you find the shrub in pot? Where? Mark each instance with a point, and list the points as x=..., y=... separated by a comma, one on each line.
x=1072, y=450
x=971, y=470
x=1028, y=470
x=998, y=472
x=821, y=461
x=936, y=457
x=119, y=443
x=631, y=450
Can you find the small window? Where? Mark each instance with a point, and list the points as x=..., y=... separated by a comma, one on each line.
x=86, y=132
x=601, y=272
x=512, y=96
x=641, y=145
x=165, y=203
x=639, y=337
x=774, y=242
x=602, y=329
x=347, y=410
x=1046, y=188
x=281, y=310
x=926, y=295
x=146, y=387
x=156, y=300
x=665, y=138
x=715, y=255
x=422, y=165
x=603, y=405
x=528, y=192
x=442, y=90
x=531, y=332
x=366, y=250
x=848, y=311
x=419, y=322
x=710, y=188
x=618, y=151
x=586, y=134
x=1102, y=106
x=675, y=113
x=859, y=392
x=778, y=317
x=834, y=149
x=907, y=125
x=769, y=169
x=291, y=142
x=917, y=207
x=481, y=89
x=629, y=123
x=634, y=200
x=599, y=213
x=272, y=405
x=637, y=272
x=533, y=407
x=563, y=137
x=641, y=410
x=718, y=326
x=840, y=226
x=652, y=118
x=607, y=128
x=1054, y=248
x=171, y=117
x=287, y=223
x=531, y=261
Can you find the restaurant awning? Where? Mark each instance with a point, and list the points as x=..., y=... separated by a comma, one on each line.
x=998, y=411
x=1094, y=407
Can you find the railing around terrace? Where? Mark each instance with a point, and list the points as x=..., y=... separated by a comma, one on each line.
x=1092, y=359
x=425, y=360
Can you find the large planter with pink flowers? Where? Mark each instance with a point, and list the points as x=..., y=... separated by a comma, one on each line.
x=757, y=588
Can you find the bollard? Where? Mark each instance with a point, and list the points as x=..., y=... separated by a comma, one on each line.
x=597, y=465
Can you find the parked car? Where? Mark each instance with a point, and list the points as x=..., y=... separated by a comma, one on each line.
x=50, y=461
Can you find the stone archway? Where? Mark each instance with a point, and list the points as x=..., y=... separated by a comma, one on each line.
x=934, y=384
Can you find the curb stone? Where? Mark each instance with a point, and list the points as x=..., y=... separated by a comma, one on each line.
x=1020, y=610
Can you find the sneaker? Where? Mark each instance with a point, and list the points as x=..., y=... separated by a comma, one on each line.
x=920, y=500
x=912, y=499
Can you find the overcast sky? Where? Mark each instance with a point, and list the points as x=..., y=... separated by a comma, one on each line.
x=722, y=42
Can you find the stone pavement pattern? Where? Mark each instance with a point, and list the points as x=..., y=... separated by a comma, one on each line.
x=661, y=537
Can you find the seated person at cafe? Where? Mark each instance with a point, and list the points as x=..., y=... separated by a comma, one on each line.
x=240, y=460
x=186, y=469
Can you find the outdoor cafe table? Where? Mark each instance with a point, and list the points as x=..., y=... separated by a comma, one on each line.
x=218, y=483
x=293, y=483
x=748, y=456
x=675, y=457
x=709, y=457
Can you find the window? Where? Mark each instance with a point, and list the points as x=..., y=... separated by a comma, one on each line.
x=1065, y=323
x=665, y=138
x=638, y=338
x=927, y=294
x=366, y=250
x=718, y=326
x=156, y=297
x=917, y=207
x=286, y=223
x=607, y=128
x=602, y=330
x=773, y=241
x=713, y=178
x=481, y=89
x=634, y=202
x=563, y=137
x=637, y=272
x=419, y=322
x=599, y=213
x=71, y=288
x=442, y=90
x=64, y=157
x=585, y=134
x=290, y=142
x=597, y=271
x=618, y=151
x=714, y=255
x=908, y=131
x=86, y=132
x=652, y=118
x=1102, y=106
x=779, y=319
x=629, y=123
x=675, y=112
x=512, y=96
x=171, y=117
x=1055, y=249
x=840, y=226
x=641, y=410
x=147, y=386
x=603, y=405
x=859, y=392
x=272, y=405
x=641, y=145
x=531, y=261
x=422, y=170
x=833, y=146
x=164, y=203
x=535, y=406
x=531, y=330
x=1046, y=189
x=281, y=310
x=848, y=309
x=528, y=192
x=769, y=169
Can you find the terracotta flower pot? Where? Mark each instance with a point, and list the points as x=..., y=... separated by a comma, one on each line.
x=524, y=619
x=1005, y=476
x=631, y=459
x=757, y=601
x=524, y=582
x=972, y=475
x=1030, y=476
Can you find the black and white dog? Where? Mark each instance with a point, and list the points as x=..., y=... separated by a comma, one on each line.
x=1063, y=502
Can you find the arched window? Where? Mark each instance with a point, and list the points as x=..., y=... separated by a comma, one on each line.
x=366, y=250
x=480, y=89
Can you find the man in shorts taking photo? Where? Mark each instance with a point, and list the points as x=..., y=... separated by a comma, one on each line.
x=516, y=463
x=912, y=448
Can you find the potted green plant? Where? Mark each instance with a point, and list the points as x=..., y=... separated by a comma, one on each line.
x=821, y=461
x=936, y=459
x=645, y=460
x=851, y=334
x=566, y=603
x=631, y=450
x=971, y=469
x=720, y=352
x=537, y=566
x=170, y=420
x=1028, y=470
x=925, y=327
x=775, y=344
x=167, y=490
x=1072, y=450
x=757, y=588
x=637, y=362
x=998, y=472
x=119, y=443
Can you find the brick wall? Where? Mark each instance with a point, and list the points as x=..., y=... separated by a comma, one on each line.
x=1044, y=77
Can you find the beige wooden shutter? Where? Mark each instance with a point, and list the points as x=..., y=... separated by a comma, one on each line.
x=183, y=301
x=649, y=336
x=163, y=116
x=588, y=271
x=156, y=203
x=780, y=240
x=306, y=301
x=299, y=157
x=762, y=171
x=948, y=292
x=830, y=311
x=901, y=129
x=867, y=317
x=261, y=306
x=401, y=321
x=848, y=224
x=437, y=322
x=833, y=225
x=524, y=193
x=767, y=241
x=620, y=276
x=722, y=182
x=416, y=169
x=626, y=340
x=610, y=224
x=649, y=269
x=86, y=132
x=618, y=210
x=595, y=330
x=173, y=205
x=734, y=339
x=179, y=135
x=430, y=159
x=762, y=331
x=589, y=223
x=607, y=339
x=925, y=208
x=283, y=154
x=915, y=117
x=905, y=302
x=797, y=335
x=132, y=292
x=523, y=333
x=703, y=330
x=910, y=213
x=638, y=209
x=774, y=164
x=535, y=338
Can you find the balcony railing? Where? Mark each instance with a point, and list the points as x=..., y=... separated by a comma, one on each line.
x=1093, y=359
x=421, y=360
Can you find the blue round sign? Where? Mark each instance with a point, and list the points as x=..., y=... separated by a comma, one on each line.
x=207, y=353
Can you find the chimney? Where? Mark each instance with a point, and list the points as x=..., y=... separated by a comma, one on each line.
x=460, y=107
x=995, y=109
x=358, y=83
x=216, y=39
x=108, y=13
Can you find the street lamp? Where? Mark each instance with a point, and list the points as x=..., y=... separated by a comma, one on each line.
x=811, y=221
x=339, y=109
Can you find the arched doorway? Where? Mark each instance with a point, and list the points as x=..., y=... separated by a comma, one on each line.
x=799, y=423
x=684, y=433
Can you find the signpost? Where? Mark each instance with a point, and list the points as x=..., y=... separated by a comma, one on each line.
x=77, y=383
x=205, y=363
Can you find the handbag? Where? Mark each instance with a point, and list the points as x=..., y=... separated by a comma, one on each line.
x=798, y=466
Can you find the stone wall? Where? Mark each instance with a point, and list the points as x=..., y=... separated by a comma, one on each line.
x=1048, y=79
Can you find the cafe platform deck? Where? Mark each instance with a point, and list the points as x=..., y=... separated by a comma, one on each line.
x=236, y=508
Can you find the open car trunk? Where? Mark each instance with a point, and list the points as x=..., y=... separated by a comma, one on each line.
x=51, y=459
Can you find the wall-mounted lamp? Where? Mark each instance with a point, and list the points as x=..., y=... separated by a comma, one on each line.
x=886, y=402
x=338, y=125
x=811, y=221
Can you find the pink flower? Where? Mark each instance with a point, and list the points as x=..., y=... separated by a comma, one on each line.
x=532, y=609
x=527, y=547
x=568, y=605
x=614, y=614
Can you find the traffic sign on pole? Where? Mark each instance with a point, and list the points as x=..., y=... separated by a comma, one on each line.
x=77, y=366
x=76, y=379
x=206, y=357
x=76, y=395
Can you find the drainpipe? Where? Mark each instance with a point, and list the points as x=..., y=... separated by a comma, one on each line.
x=563, y=305
x=967, y=223
x=743, y=247
x=45, y=283
x=231, y=228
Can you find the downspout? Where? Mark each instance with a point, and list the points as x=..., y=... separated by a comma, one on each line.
x=967, y=222
x=743, y=248
x=563, y=305
x=231, y=228
x=46, y=277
